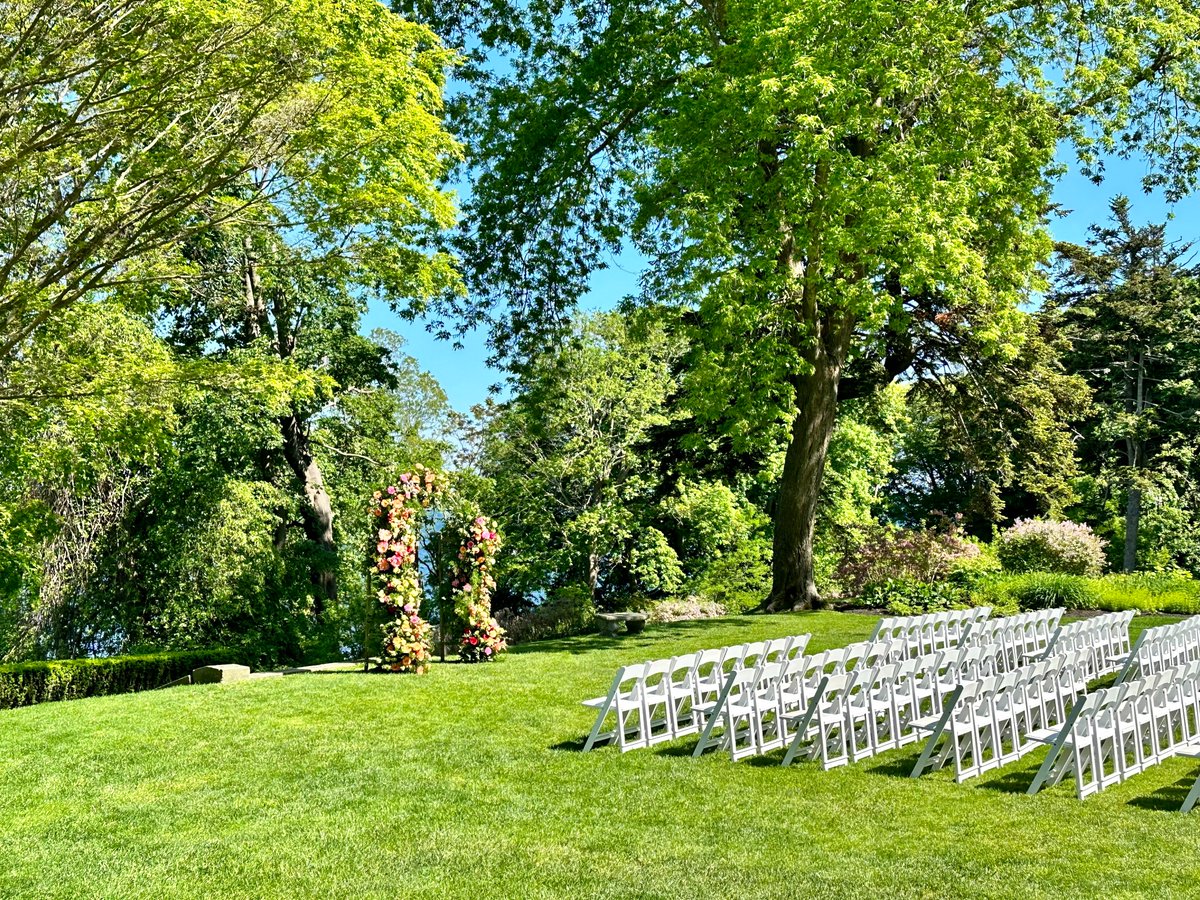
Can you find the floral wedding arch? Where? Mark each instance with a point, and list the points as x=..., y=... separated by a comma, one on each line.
x=396, y=515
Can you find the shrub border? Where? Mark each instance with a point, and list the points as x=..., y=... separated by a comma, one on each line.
x=30, y=683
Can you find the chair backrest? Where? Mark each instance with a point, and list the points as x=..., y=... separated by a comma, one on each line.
x=628, y=677
x=752, y=654
x=775, y=650
x=708, y=662
x=835, y=690
x=739, y=683
x=767, y=677
x=656, y=670
x=794, y=669
x=798, y=646
x=827, y=662
x=683, y=668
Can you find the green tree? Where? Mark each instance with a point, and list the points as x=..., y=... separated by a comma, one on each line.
x=566, y=457
x=354, y=207
x=1132, y=314
x=990, y=437
x=126, y=126
x=808, y=179
x=213, y=550
x=253, y=174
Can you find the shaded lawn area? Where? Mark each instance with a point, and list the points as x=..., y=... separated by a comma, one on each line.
x=467, y=783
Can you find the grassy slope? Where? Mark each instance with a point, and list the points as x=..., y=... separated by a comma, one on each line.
x=468, y=782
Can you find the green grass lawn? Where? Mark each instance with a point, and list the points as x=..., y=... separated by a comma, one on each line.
x=469, y=782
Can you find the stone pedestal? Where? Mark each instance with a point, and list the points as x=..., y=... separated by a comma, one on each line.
x=634, y=622
x=221, y=674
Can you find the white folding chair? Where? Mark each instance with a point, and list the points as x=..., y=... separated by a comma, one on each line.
x=624, y=702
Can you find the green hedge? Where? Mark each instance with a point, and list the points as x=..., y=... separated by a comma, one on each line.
x=1148, y=593
x=24, y=684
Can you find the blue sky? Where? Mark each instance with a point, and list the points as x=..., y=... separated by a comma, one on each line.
x=465, y=377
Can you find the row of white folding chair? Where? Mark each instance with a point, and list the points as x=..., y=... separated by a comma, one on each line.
x=655, y=701
x=855, y=715
x=1020, y=634
x=1174, y=645
x=932, y=631
x=713, y=665
x=1158, y=648
x=755, y=712
x=852, y=715
x=1018, y=637
x=747, y=715
x=989, y=723
x=1125, y=729
x=1105, y=637
x=755, y=694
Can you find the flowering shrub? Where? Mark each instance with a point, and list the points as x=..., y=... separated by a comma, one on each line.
x=395, y=513
x=1068, y=548
x=886, y=553
x=688, y=608
x=483, y=638
x=904, y=597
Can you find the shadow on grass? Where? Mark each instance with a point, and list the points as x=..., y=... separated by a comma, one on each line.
x=1014, y=782
x=625, y=641
x=573, y=746
x=900, y=767
x=676, y=751
x=1167, y=798
x=681, y=749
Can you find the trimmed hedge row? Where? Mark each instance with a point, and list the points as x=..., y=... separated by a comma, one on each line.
x=24, y=684
x=1147, y=593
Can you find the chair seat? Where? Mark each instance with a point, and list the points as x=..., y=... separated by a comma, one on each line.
x=595, y=702
x=1044, y=735
x=928, y=723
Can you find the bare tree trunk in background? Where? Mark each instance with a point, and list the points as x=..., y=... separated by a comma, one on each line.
x=593, y=575
x=1135, y=403
x=317, y=510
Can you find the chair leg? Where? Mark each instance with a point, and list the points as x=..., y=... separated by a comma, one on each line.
x=1192, y=797
x=596, y=733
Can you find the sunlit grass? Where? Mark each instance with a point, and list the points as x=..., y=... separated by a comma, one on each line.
x=469, y=782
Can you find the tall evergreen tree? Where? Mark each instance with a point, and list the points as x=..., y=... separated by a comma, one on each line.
x=1132, y=314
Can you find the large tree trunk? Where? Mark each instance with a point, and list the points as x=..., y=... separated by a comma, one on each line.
x=317, y=512
x=1133, y=515
x=793, y=585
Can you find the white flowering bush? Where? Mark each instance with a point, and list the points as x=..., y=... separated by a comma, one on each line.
x=692, y=607
x=1036, y=545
